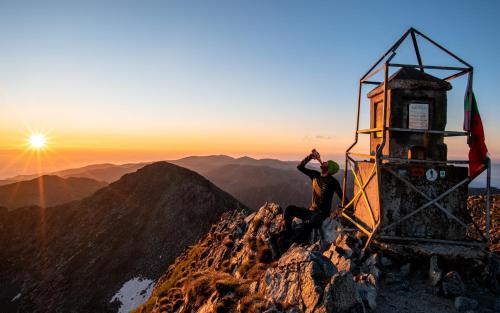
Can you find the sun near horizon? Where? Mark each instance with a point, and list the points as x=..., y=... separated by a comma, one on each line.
x=143, y=83
x=37, y=141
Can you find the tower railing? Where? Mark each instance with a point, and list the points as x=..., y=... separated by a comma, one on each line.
x=383, y=64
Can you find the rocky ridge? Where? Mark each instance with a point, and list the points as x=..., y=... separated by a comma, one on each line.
x=235, y=268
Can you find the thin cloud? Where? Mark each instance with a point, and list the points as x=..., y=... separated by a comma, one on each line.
x=317, y=137
x=321, y=137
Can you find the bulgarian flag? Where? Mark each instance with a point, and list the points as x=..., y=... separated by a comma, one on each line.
x=478, y=153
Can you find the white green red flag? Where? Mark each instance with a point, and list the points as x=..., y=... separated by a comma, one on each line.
x=478, y=152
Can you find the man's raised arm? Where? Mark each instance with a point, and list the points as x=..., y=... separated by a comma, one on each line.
x=302, y=167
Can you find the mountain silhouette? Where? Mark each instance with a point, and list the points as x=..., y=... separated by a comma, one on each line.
x=205, y=164
x=252, y=181
x=47, y=190
x=106, y=172
x=74, y=257
x=257, y=184
x=254, y=185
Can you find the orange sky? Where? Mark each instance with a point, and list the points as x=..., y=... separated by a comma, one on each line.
x=73, y=150
x=127, y=83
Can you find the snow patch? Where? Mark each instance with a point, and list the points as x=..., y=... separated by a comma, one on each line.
x=16, y=297
x=133, y=293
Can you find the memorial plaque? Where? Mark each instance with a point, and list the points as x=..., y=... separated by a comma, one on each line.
x=418, y=115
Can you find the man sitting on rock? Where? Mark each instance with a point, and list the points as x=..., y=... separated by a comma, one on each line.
x=324, y=186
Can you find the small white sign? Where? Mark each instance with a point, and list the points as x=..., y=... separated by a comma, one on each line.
x=418, y=115
x=431, y=174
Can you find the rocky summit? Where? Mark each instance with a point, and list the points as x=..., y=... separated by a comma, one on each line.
x=116, y=250
x=238, y=267
x=76, y=257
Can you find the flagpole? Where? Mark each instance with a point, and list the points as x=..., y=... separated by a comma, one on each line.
x=488, y=185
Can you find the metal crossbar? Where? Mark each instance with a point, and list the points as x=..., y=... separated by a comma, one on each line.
x=350, y=219
x=356, y=196
x=444, y=194
x=374, y=170
x=363, y=155
x=361, y=191
x=431, y=240
x=423, y=161
x=412, y=186
x=446, y=133
x=434, y=67
x=384, y=63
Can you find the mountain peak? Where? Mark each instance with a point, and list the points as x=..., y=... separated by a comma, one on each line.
x=133, y=228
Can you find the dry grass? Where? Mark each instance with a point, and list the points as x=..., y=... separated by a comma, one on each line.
x=174, y=277
x=253, y=304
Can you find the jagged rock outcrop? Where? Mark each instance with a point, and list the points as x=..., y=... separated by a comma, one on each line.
x=233, y=269
x=238, y=268
x=477, y=208
x=298, y=279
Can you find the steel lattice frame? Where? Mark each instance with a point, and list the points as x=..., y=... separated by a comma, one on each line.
x=384, y=64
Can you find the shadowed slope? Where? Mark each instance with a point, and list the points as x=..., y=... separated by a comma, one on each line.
x=74, y=257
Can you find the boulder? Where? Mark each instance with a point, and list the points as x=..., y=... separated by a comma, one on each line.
x=297, y=279
x=370, y=266
x=385, y=262
x=339, y=258
x=392, y=278
x=367, y=293
x=405, y=270
x=453, y=285
x=463, y=304
x=341, y=293
x=373, y=259
x=348, y=245
x=330, y=229
x=435, y=273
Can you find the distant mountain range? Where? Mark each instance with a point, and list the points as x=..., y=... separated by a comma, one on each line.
x=106, y=172
x=256, y=184
x=252, y=181
x=47, y=190
x=109, y=173
x=75, y=257
x=204, y=164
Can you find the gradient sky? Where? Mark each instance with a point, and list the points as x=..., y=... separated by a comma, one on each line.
x=124, y=81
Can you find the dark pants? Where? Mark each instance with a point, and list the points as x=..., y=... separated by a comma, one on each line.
x=313, y=218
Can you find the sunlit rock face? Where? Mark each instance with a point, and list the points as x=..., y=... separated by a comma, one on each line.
x=235, y=269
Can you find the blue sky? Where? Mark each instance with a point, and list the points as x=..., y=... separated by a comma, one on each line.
x=278, y=75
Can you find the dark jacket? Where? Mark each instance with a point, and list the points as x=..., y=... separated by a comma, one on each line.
x=323, y=188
